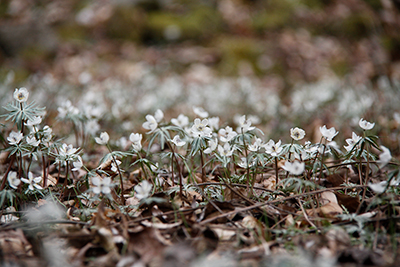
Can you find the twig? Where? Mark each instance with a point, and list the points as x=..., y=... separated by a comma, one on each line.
x=277, y=200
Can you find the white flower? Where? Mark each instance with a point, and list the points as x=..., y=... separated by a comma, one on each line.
x=47, y=134
x=159, y=115
x=295, y=168
x=272, y=148
x=31, y=140
x=384, y=157
x=182, y=121
x=297, y=133
x=328, y=134
x=243, y=163
x=201, y=112
x=36, y=120
x=14, y=138
x=21, y=94
x=378, y=188
x=151, y=123
x=13, y=180
x=143, y=189
x=101, y=185
x=47, y=130
x=32, y=181
x=136, y=140
x=256, y=145
x=66, y=108
x=67, y=150
x=244, y=125
x=78, y=164
x=178, y=141
x=200, y=128
x=212, y=145
x=213, y=122
x=351, y=142
x=114, y=167
x=103, y=139
x=227, y=134
x=226, y=150
x=365, y=124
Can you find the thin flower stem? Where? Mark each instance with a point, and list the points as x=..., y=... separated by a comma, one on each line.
x=3, y=183
x=203, y=170
x=247, y=166
x=322, y=163
x=44, y=171
x=315, y=159
x=119, y=173
x=179, y=170
x=276, y=172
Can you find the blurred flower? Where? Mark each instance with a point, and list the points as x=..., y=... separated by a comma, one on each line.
x=21, y=94
x=114, y=167
x=47, y=134
x=297, y=133
x=351, y=142
x=212, y=145
x=200, y=111
x=14, y=138
x=36, y=120
x=178, y=141
x=243, y=163
x=159, y=115
x=32, y=181
x=67, y=150
x=136, y=140
x=200, y=128
x=101, y=185
x=244, y=125
x=365, y=124
x=328, y=134
x=13, y=181
x=143, y=190
x=181, y=121
x=103, y=139
x=384, y=157
x=295, y=168
x=151, y=123
x=272, y=148
x=226, y=150
x=31, y=140
x=256, y=145
x=78, y=164
x=214, y=123
x=227, y=134
x=66, y=108
x=396, y=117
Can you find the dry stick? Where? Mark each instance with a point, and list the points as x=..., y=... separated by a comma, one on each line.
x=306, y=215
x=242, y=185
x=277, y=200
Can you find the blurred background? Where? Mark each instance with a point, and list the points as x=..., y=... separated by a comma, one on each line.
x=288, y=62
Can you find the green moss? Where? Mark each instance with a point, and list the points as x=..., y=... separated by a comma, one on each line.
x=340, y=67
x=196, y=24
x=235, y=50
x=274, y=15
x=72, y=31
x=127, y=23
x=375, y=4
